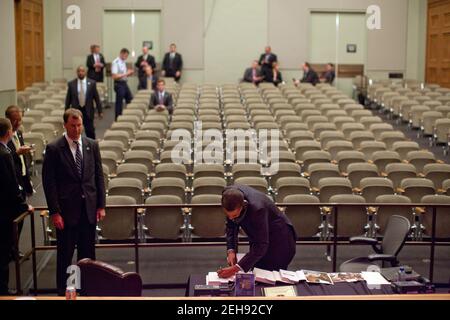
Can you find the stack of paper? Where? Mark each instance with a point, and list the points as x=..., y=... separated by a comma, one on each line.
x=292, y=277
x=264, y=276
x=374, y=278
x=213, y=279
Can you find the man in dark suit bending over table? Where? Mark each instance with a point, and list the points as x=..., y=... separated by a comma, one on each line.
x=271, y=235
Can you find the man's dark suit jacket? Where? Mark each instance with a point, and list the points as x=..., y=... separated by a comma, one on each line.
x=24, y=181
x=329, y=77
x=269, y=77
x=269, y=231
x=176, y=66
x=151, y=62
x=310, y=77
x=92, y=74
x=168, y=101
x=11, y=198
x=248, y=75
x=65, y=190
x=262, y=61
x=91, y=96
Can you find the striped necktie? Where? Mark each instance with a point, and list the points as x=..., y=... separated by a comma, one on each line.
x=78, y=158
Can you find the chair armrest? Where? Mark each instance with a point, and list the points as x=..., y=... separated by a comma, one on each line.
x=363, y=240
x=382, y=257
x=400, y=191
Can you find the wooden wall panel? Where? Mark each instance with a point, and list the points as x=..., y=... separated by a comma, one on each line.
x=438, y=43
x=29, y=16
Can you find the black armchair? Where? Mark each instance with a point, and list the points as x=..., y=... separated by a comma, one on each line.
x=394, y=238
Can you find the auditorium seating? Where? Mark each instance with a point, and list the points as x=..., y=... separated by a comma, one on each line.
x=332, y=149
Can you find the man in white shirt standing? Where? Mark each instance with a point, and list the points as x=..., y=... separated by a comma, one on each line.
x=120, y=74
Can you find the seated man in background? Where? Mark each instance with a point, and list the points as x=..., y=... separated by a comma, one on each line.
x=329, y=75
x=274, y=75
x=270, y=233
x=152, y=79
x=309, y=75
x=160, y=99
x=253, y=74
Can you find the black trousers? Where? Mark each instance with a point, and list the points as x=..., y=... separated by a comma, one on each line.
x=122, y=93
x=279, y=255
x=6, y=246
x=81, y=236
x=88, y=124
x=172, y=74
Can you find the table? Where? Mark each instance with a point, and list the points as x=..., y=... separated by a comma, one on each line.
x=305, y=289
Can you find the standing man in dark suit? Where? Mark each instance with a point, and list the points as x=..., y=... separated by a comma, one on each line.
x=20, y=153
x=266, y=60
x=271, y=235
x=142, y=62
x=172, y=64
x=309, y=75
x=96, y=64
x=12, y=203
x=161, y=100
x=81, y=94
x=253, y=74
x=73, y=183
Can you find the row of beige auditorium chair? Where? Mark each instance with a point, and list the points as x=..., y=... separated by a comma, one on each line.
x=423, y=107
x=306, y=117
x=43, y=106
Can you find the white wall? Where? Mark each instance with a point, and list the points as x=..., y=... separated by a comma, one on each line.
x=235, y=32
x=53, y=51
x=239, y=30
x=8, y=78
x=416, y=51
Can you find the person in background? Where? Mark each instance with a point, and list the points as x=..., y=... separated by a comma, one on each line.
x=143, y=61
x=120, y=74
x=96, y=64
x=161, y=100
x=329, y=75
x=12, y=201
x=274, y=76
x=309, y=75
x=72, y=177
x=151, y=79
x=253, y=74
x=271, y=235
x=81, y=95
x=172, y=64
x=21, y=154
x=266, y=61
